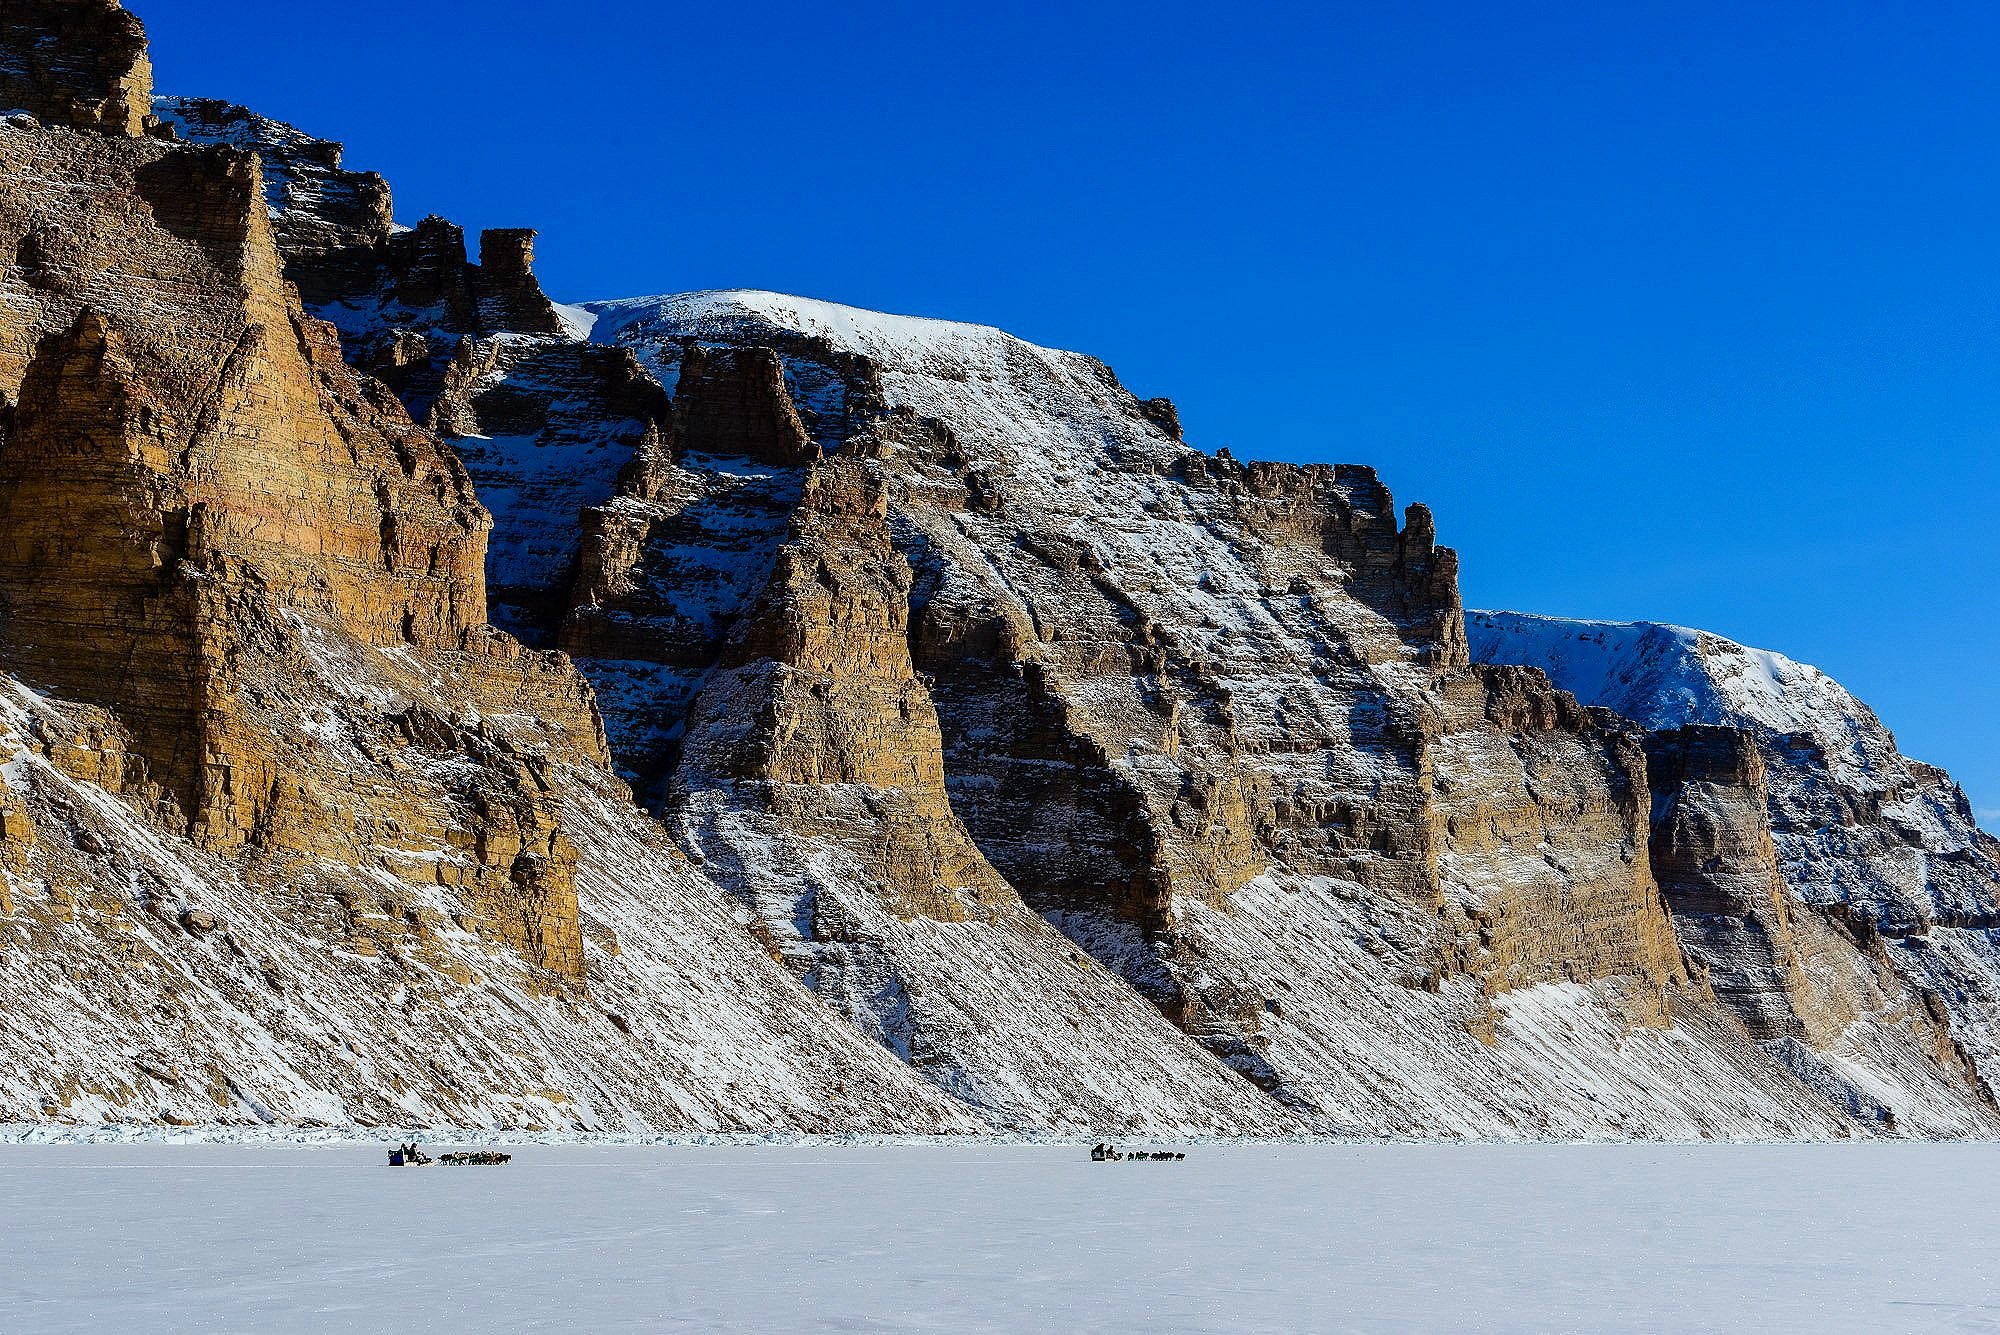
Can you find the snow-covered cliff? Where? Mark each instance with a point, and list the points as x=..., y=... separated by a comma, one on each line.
x=906, y=727
x=1862, y=832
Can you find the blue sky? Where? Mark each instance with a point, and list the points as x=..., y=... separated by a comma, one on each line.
x=1684, y=312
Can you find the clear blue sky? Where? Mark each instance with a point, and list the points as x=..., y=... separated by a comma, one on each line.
x=1685, y=312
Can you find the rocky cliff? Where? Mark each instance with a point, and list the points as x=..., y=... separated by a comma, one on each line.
x=290, y=833
x=889, y=723
x=1823, y=874
x=76, y=62
x=1217, y=723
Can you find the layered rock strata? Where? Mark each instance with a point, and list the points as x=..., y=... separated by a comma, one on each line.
x=1711, y=849
x=82, y=63
x=289, y=833
x=1014, y=762
x=812, y=778
x=320, y=212
x=545, y=427
x=1832, y=887
x=1196, y=712
x=402, y=298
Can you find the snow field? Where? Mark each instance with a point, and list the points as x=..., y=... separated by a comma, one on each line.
x=972, y=1238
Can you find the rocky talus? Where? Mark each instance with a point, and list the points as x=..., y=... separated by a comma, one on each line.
x=883, y=723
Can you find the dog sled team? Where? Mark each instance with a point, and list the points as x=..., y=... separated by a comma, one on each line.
x=1111, y=1154
x=409, y=1155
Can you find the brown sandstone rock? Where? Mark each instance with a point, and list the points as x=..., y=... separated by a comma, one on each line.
x=17, y=840
x=153, y=486
x=1545, y=853
x=732, y=402
x=189, y=508
x=816, y=713
x=510, y=297
x=76, y=62
x=321, y=210
x=1712, y=850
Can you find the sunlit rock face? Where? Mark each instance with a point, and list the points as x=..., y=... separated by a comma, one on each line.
x=1766, y=771
x=79, y=63
x=287, y=832
x=1218, y=724
x=886, y=724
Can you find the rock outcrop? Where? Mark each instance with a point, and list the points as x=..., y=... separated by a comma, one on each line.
x=545, y=427
x=1217, y=723
x=1711, y=849
x=902, y=727
x=289, y=833
x=158, y=482
x=1833, y=891
x=734, y=405
x=815, y=710
x=813, y=772
x=82, y=63
x=320, y=212
x=402, y=298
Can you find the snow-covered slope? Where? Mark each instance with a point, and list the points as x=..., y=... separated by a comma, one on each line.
x=1181, y=702
x=1002, y=759
x=143, y=979
x=980, y=356
x=1662, y=676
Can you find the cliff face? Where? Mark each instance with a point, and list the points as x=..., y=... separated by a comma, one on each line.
x=812, y=773
x=162, y=475
x=290, y=833
x=1214, y=722
x=319, y=210
x=906, y=729
x=402, y=299
x=546, y=426
x=1712, y=851
x=76, y=62
x=1820, y=877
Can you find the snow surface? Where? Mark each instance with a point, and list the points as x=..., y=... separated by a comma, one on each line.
x=577, y=321
x=1377, y=1237
x=872, y=333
